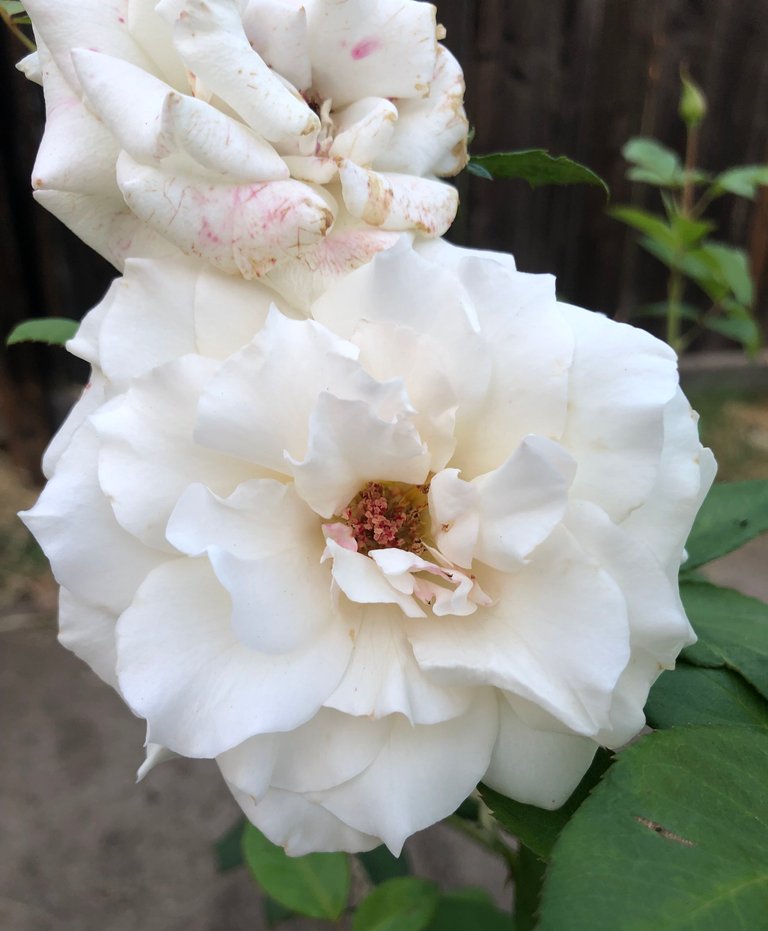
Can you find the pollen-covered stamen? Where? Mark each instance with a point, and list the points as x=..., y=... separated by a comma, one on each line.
x=389, y=515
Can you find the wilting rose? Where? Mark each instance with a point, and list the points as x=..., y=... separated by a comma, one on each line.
x=243, y=131
x=429, y=535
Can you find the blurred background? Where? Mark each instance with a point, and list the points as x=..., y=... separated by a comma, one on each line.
x=88, y=849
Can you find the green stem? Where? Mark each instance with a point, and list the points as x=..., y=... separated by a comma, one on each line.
x=676, y=283
x=486, y=838
x=675, y=288
x=25, y=41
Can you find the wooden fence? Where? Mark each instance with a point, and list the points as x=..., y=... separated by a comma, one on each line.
x=578, y=77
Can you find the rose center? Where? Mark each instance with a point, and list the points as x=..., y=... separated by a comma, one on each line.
x=388, y=515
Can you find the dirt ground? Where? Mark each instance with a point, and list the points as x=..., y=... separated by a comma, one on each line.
x=86, y=849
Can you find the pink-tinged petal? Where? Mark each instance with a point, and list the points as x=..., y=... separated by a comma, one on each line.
x=364, y=129
x=100, y=25
x=90, y=553
x=260, y=402
x=152, y=33
x=106, y=225
x=521, y=502
x=299, y=826
x=360, y=579
x=686, y=473
x=388, y=351
x=372, y=48
x=239, y=228
x=536, y=767
x=153, y=122
x=619, y=385
x=398, y=202
x=77, y=152
x=89, y=632
x=430, y=137
x=558, y=636
x=146, y=444
x=181, y=667
x=311, y=168
x=422, y=774
x=277, y=30
x=350, y=445
x=210, y=38
x=399, y=287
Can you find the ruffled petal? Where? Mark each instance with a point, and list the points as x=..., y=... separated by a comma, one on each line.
x=363, y=583
x=398, y=202
x=364, y=129
x=536, y=767
x=181, y=667
x=422, y=774
x=146, y=444
x=371, y=48
x=277, y=30
x=89, y=632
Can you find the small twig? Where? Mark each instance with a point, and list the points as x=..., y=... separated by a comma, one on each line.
x=16, y=31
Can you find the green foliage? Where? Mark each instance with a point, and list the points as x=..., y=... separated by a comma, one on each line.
x=469, y=911
x=14, y=15
x=674, y=837
x=716, y=273
x=733, y=514
x=229, y=847
x=538, y=828
x=381, y=865
x=536, y=166
x=529, y=878
x=316, y=885
x=52, y=330
x=404, y=904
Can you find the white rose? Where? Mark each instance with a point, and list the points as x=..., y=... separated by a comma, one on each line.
x=428, y=536
x=243, y=131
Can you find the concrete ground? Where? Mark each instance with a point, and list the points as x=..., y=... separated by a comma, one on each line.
x=83, y=848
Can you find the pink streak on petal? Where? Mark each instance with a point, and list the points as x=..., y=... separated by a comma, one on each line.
x=365, y=47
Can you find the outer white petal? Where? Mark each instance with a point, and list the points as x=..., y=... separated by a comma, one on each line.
x=152, y=121
x=239, y=228
x=202, y=692
x=277, y=30
x=90, y=553
x=89, y=632
x=151, y=32
x=106, y=225
x=209, y=36
x=686, y=473
x=77, y=152
x=30, y=68
x=147, y=455
x=398, y=202
x=371, y=48
x=350, y=445
x=619, y=385
x=300, y=826
x=364, y=129
x=422, y=774
x=430, y=137
x=558, y=636
x=383, y=677
x=93, y=396
x=100, y=25
x=536, y=767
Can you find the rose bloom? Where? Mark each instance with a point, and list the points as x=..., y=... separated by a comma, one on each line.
x=243, y=131
x=426, y=536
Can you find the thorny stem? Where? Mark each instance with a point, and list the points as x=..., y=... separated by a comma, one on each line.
x=25, y=41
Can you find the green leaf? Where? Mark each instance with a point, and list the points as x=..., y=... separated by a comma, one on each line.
x=732, y=515
x=536, y=166
x=275, y=913
x=405, y=904
x=661, y=309
x=656, y=164
x=381, y=865
x=740, y=328
x=675, y=837
x=229, y=847
x=467, y=911
x=12, y=7
x=53, y=330
x=538, y=828
x=529, y=877
x=654, y=226
x=731, y=267
x=731, y=628
x=698, y=695
x=688, y=233
x=316, y=885
x=743, y=181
